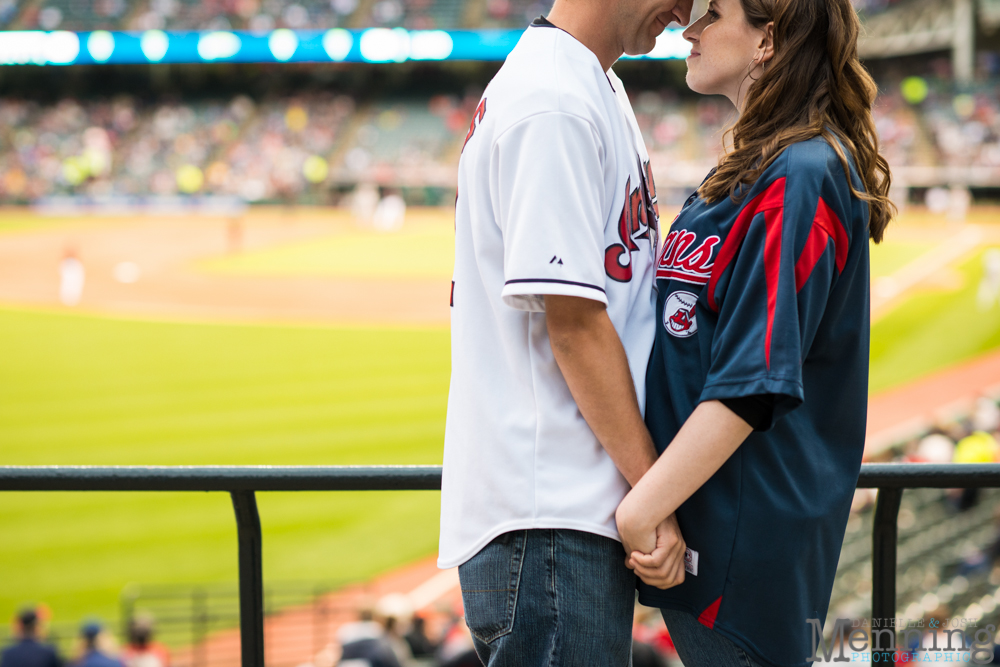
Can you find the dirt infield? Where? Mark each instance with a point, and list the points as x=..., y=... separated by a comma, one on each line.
x=170, y=285
x=907, y=411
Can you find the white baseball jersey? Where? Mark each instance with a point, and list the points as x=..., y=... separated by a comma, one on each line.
x=555, y=196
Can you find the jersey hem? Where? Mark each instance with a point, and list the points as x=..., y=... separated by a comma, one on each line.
x=723, y=629
x=523, y=294
x=541, y=524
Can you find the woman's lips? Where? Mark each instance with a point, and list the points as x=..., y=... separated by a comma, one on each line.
x=693, y=54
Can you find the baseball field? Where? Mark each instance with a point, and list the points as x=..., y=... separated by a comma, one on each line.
x=295, y=339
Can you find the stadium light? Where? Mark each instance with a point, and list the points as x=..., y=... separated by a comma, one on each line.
x=381, y=45
x=374, y=45
x=430, y=45
x=101, y=45
x=37, y=47
x=219, y=45
x=337, y=43
x=283, y=44
x=669, y=45
x=154, y=45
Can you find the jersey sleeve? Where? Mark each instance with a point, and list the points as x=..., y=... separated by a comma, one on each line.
x=549, y=171
x=772, y=279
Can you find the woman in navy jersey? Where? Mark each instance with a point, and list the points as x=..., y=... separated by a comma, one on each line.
x=758, y=381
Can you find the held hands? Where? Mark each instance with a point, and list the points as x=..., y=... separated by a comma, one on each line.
x=656, y=553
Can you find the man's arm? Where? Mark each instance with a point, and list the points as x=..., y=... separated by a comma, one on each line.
x=593, y=362
x=592, y=359
x=708, y=438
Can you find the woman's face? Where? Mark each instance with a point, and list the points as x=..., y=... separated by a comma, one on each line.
x=724, y=47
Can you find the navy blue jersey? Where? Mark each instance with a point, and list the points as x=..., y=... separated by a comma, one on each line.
x=767, y=298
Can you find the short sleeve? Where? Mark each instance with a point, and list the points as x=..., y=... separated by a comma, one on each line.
x=772, y=279
x=549, y=172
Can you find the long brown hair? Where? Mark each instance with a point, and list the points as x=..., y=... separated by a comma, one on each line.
x=814, y=86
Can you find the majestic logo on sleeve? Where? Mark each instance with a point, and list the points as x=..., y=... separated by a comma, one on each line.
x=639, y=219
x=684, y=259
x=679, y=316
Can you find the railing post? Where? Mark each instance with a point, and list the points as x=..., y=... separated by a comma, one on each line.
x=884, y=534
x=251, y=579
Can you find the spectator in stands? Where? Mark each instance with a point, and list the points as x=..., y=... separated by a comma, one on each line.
x=366, y=641
x=395, y=612
x=421, y=646
x=142, y=651
x=29, y=651
x=978, y=447
x=457, y=648
x=93, y=655
x=934, y=448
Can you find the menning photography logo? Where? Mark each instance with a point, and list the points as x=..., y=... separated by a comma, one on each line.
x=937, y=640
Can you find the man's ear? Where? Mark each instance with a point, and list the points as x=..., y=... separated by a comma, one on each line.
x=767, y=43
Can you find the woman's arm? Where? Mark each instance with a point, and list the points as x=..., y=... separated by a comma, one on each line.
x=708, y=438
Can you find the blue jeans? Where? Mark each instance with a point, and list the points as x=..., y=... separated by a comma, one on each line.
x=698, y=646
x=546, y=598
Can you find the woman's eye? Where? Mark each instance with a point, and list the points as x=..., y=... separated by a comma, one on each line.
x=713, y=15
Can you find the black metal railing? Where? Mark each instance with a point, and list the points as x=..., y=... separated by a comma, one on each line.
x=242, y=482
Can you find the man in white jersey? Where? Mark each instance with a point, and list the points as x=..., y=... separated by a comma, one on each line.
x=552, y=327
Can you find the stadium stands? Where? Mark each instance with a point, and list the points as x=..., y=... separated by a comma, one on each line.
x=119, y=146
x=947, y=564
x=265, y=15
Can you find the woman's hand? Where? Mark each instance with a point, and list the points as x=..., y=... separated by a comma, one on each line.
x=664, y=567
x=637, y=532
x=654, y=545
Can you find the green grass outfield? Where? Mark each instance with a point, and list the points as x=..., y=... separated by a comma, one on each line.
x=84, y=390
x=933, y=329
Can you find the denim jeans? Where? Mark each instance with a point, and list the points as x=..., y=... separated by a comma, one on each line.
x=698, y=646
x=548, y=598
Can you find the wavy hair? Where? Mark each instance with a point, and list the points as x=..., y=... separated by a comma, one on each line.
x=813, y=86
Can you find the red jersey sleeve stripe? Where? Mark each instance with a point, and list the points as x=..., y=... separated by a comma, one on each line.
x=828, y=220
x=826, y=226
x=772, y=197
x=772, y=272
x=815, y=247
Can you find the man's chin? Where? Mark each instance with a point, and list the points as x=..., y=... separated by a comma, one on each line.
x=641, y=48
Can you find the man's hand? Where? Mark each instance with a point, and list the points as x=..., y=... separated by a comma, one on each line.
x=664, y=568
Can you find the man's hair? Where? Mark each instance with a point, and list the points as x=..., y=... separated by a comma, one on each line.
x=813, y=86
x=28, y=619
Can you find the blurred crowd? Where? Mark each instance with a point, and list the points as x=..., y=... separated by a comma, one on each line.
x=295, y=149
x=387, y=632
x=924, y=122
x=390, y=634
x=973, y=438
x=314, y=148
x=266, y=15
x=95, y=647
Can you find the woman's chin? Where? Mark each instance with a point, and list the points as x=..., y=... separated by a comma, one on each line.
x=695, y=85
